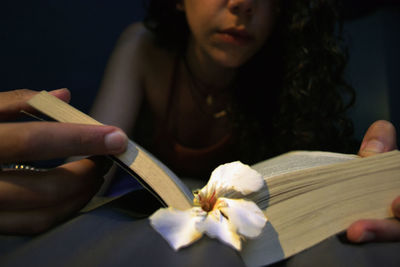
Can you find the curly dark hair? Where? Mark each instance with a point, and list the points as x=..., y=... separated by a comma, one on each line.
x=304, y=103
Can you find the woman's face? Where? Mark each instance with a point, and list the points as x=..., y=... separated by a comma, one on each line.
x=229, y=31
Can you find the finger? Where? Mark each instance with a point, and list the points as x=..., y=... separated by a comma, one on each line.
x=12, y=102
x=39, y=220
x=21, y=142
x=380, y=137
x=24, y=190
x=374, y=230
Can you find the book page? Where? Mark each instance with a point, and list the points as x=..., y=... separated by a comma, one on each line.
x=299, y=160
x=306, y=206
x=101, y=199
x=157, y=178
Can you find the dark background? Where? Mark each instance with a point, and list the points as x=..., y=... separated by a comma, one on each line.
x=50, y=44
x=53, y=44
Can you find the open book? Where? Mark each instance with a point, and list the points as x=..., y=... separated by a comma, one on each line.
x=308, y=196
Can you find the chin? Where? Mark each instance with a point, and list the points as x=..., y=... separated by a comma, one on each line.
x=230, y=60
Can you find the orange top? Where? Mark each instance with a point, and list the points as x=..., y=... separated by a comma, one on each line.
x=187, y=161
x=194, y=162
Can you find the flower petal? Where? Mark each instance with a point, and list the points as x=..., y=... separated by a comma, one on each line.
x=176, y=226
x=215, y=225
x=231, y=178
x=245, y=215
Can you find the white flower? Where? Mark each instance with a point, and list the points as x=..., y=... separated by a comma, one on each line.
x=219, y=210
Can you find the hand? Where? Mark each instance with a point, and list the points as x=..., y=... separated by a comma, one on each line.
x=380, y=137
x=32, y=201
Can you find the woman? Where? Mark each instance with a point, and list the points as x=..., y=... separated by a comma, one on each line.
x=203, y=82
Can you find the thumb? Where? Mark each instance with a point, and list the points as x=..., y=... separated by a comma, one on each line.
x=380, y=137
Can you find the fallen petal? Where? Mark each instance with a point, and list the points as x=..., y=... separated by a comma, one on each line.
x=177, y=227
x=217, y=226
x=246, y=216
x=231, y=178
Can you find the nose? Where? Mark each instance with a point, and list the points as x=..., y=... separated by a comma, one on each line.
x=241, y=6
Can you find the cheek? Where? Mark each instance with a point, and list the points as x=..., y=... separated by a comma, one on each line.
x=198, y=23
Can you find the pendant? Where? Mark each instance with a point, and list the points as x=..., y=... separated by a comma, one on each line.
x=220, y=114
x=209, y=100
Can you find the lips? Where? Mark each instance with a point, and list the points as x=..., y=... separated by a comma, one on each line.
x=235, y=36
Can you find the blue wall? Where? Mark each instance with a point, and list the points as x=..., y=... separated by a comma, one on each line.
x=61, y=43
x=374, y=67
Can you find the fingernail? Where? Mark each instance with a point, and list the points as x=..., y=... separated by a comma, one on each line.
x=374, y=146
x=367, y=236
x=65, y=94
x=116, y=141
x=58, y=90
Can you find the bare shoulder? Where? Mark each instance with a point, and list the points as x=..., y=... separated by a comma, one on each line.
x=137, y=47
x=134, y=74
x=136, y=34
x=143, y=42
x=135, y=39
x=154, y=62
